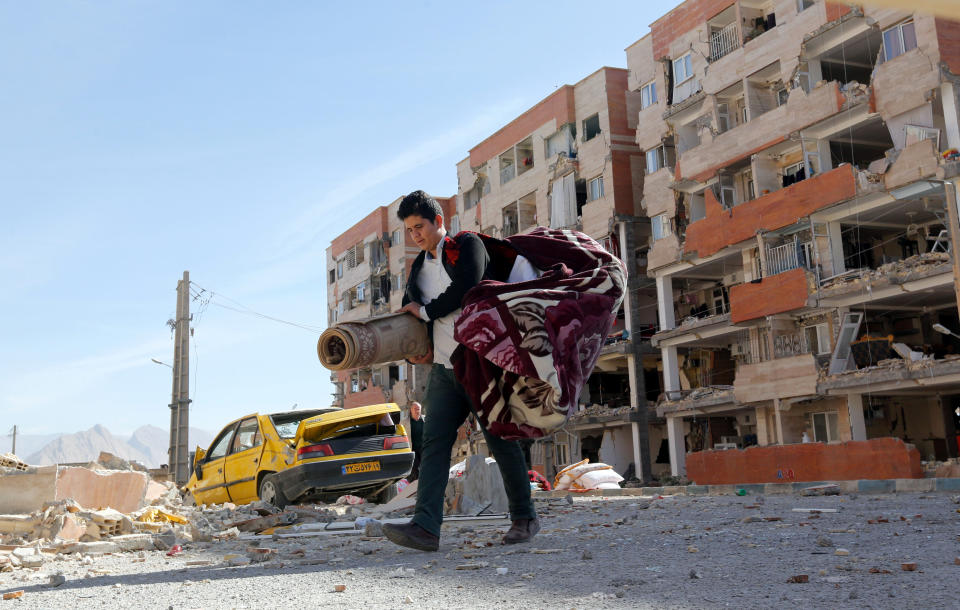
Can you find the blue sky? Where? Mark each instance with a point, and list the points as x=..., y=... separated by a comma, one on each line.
x=233, y=140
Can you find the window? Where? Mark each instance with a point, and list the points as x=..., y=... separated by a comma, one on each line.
x=219, y=447
x=648, y=95
x=915, y=133
x=595, y=188
x=339, y=269
x=818, y=338
x=361, y=289
x=397, y=238
x=825, y=427
x=397, y=282
x=591, y=127
x=682, y=69
x=661, y=226
x=803, y=5
x=898, y=40
x=248, y=436
x=354, y=383
x=794, y=173
x=333, y=276
x=655, y=159
x=455, y=225
x=341, y=307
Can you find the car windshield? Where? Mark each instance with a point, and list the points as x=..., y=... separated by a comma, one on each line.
x=287, y=423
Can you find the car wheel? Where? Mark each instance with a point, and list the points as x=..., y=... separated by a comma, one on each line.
x=271, y=493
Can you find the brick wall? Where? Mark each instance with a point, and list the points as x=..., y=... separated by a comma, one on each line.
x=681, y=20
x=374, y=222
x=948, y=41
x=836, y=10
x=775, y=210
x=557, y=106
x=623, y=199
x=878, y=458
x=616, y=81
x=773, y=294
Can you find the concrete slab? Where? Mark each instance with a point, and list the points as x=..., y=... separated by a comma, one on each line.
x=28, y=490
x=121, y=490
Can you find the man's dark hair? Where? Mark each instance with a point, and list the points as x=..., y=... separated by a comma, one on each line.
x=421, y=204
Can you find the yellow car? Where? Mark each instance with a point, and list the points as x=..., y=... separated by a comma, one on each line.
x=298, y=456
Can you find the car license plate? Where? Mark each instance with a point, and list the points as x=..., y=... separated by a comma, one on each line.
x=361, y=467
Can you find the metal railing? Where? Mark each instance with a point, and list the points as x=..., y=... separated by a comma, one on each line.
x=724, y=41
x=784, y=258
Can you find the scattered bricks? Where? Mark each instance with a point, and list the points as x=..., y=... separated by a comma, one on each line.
x=841, y=552
x=956, y=561
x=799, y=579
x=259, y=555
x=339, y=588
x=750, y=519
x=13, y=594
x=879, y=571
x=259, y=524
x=909, y=566
x=773, y=518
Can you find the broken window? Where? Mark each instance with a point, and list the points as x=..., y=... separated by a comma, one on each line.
x=818, y=338
x=916, y=133
x=333, y=276
x=661, y=227
x=648, y=95
x=561, y=142
x=591, y=127
x=725, y=191
x=595, y=188
x=698, y=207
x=508, y=167
x=898, y=40
x=656, y=159
x=378, y=255
x=472, y=197
x=524, y=155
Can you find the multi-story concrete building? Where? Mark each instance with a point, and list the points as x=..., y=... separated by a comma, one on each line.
x=802, y=198
x=571, y=161
x=367, y=268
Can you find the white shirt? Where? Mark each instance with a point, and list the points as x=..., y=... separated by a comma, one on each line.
x=432, y=281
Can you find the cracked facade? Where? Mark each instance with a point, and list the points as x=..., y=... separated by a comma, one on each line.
x=776, y=176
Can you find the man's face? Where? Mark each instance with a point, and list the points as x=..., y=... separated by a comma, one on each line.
x=423, y=232
x=415, y=410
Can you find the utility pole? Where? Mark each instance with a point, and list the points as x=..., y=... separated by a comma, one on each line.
x=14, y=434
x=180, y=396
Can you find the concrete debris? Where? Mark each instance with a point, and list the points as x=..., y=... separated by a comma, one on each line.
x=598, y=410
x=898, y=272
x=9, y=460
x=830, y=489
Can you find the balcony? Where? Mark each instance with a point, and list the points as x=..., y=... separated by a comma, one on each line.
x=724, y=41
x=725, y=227
x=771, y=295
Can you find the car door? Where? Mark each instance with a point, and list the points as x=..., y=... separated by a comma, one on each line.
x=211, y=488
x=243, y=462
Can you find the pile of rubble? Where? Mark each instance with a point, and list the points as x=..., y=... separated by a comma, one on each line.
x=914, y=267
x=596, y=410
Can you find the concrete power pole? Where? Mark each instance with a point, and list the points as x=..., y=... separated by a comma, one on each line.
x=180, y=396
x=14, y=434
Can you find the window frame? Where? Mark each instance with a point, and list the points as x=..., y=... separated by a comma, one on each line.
x=660, y=157
x=686, y=60
x=598, y=180
x=826, y=425
x=651, y=97
x=586, y=134
x=661, y=226
x=903, y=46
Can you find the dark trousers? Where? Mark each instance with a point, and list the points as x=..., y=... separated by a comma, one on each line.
x=447, y=406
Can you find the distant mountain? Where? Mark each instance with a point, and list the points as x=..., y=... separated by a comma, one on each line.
x=148, y=445
x=27, y=444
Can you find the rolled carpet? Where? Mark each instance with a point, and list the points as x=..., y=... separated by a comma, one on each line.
x=387, y=338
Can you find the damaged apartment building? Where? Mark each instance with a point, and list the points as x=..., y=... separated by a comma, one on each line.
x=571, y=162
x=800, y=182
x=367, y=268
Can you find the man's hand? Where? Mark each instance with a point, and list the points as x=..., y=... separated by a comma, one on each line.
x=412, y=308
x=424, y=359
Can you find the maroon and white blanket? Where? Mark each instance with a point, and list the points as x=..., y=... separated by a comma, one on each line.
x=527, y=348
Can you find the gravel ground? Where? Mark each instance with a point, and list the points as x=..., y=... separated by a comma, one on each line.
x=617, y=552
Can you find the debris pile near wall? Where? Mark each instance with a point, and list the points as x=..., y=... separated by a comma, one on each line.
x=898, y=272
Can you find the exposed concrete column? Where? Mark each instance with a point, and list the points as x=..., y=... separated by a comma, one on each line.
x=678, y=446
x=635, y=433
x=763, y=430
x=835, y=235
x=858, y=428
x=779, y=421
x=665, y=302
x=951, y=115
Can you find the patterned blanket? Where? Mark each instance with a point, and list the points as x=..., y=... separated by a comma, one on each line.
x=527, y=348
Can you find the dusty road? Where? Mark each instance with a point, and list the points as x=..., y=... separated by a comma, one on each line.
x=623, y=552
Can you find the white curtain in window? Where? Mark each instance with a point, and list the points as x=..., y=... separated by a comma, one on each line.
x=563, y=202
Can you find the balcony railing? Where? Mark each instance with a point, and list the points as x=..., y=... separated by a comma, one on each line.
x=789, y=256
x=723, y=42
